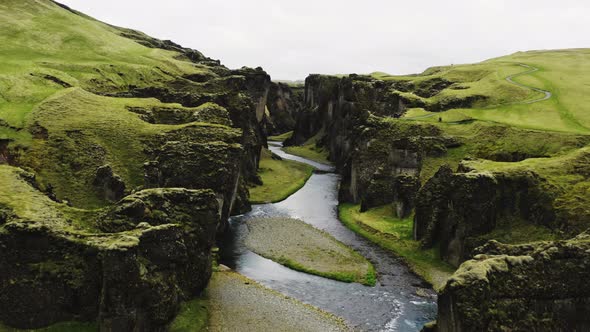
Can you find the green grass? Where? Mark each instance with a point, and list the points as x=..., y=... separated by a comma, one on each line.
x=43, y=43
x=86, y=131
x=280, y=178
x=39, y=38
x=395, y=235
x=516, y=231
x=32, y=205
x=193, y=316
x=310, y=150
x=281, y=137
x=568, y=110
x=59, y=327
x=369, y=279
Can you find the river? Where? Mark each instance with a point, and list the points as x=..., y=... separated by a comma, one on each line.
x=392, y=305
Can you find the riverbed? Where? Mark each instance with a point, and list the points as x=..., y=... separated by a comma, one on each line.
x=392, y=305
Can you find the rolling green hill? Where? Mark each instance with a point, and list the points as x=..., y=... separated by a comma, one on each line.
x=498, y=101
x=63, y=108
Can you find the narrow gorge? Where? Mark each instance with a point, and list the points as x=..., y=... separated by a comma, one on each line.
x=148, y=187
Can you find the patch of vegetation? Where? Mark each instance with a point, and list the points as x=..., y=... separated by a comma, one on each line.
x=193, y=316
x=280, y=178
x=517, y=231
x=394, y=234
x=22, y=199
x=54, y=68
x=281, y=137
x=310, y=150
x=302, y=247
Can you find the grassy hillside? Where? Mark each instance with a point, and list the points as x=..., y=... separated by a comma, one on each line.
x=499, y=101
x=56, y=68
x=46, y=48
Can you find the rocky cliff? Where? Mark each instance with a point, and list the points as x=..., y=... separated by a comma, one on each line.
x=379, y=158
x=121, y=157
x=284, y=102
x=532, y=287
x=454, y=209
x=127, y=266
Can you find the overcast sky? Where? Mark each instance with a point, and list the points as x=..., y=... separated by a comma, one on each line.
x=291, y=39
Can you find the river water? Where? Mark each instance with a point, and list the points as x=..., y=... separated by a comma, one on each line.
x=392, y=305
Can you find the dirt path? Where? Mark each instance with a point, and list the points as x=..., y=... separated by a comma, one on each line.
x=547, y=94
x=509, y=79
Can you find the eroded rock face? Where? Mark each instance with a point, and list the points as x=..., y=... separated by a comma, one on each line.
x=453, y=209
x=198, y=159
x=155, y=253
x=283, y=104
x=108, y=184
x=379, y=159
x=533, y=287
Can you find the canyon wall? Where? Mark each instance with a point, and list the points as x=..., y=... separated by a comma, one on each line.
x=130, y=161
x=531, y=287
x=284, y=102
x=379, y=159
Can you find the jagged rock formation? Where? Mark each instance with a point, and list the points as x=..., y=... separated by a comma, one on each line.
x=153, y=251
x=453, y=209
x=379, y=159
x=283, y=104
x=108, y=184
x=177, y=132
x=532, y=287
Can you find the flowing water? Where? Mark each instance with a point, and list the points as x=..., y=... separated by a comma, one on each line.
x=392, y=305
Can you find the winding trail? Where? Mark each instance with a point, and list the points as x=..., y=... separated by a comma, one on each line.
x=531, y=70
x=509, y=79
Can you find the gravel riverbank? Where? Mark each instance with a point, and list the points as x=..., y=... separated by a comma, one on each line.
x=237, y=303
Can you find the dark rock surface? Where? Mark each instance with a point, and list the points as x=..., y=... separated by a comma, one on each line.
x=533, y=287
x=283, y=104
x=379, y=159
x=154, y=252
x=195, y=158
x=108, y=184
x=452, y=209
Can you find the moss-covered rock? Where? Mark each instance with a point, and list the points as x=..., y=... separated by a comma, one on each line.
x=283, y=105
x=535, y=287
x=56, y=265
x=453, y=209
x=197, y=159
x=379, y=157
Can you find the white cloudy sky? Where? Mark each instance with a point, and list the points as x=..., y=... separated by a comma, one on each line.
x=291, y=39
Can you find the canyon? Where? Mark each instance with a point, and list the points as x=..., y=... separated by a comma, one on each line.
x=134, y=170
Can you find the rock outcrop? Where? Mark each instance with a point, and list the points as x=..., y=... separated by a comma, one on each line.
x=533, y=287
x=178, y=130
x=152, y=253
x=453, y=209
x=108, y=184
x=283, y=104
x=379, y=158
x=195, y=158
